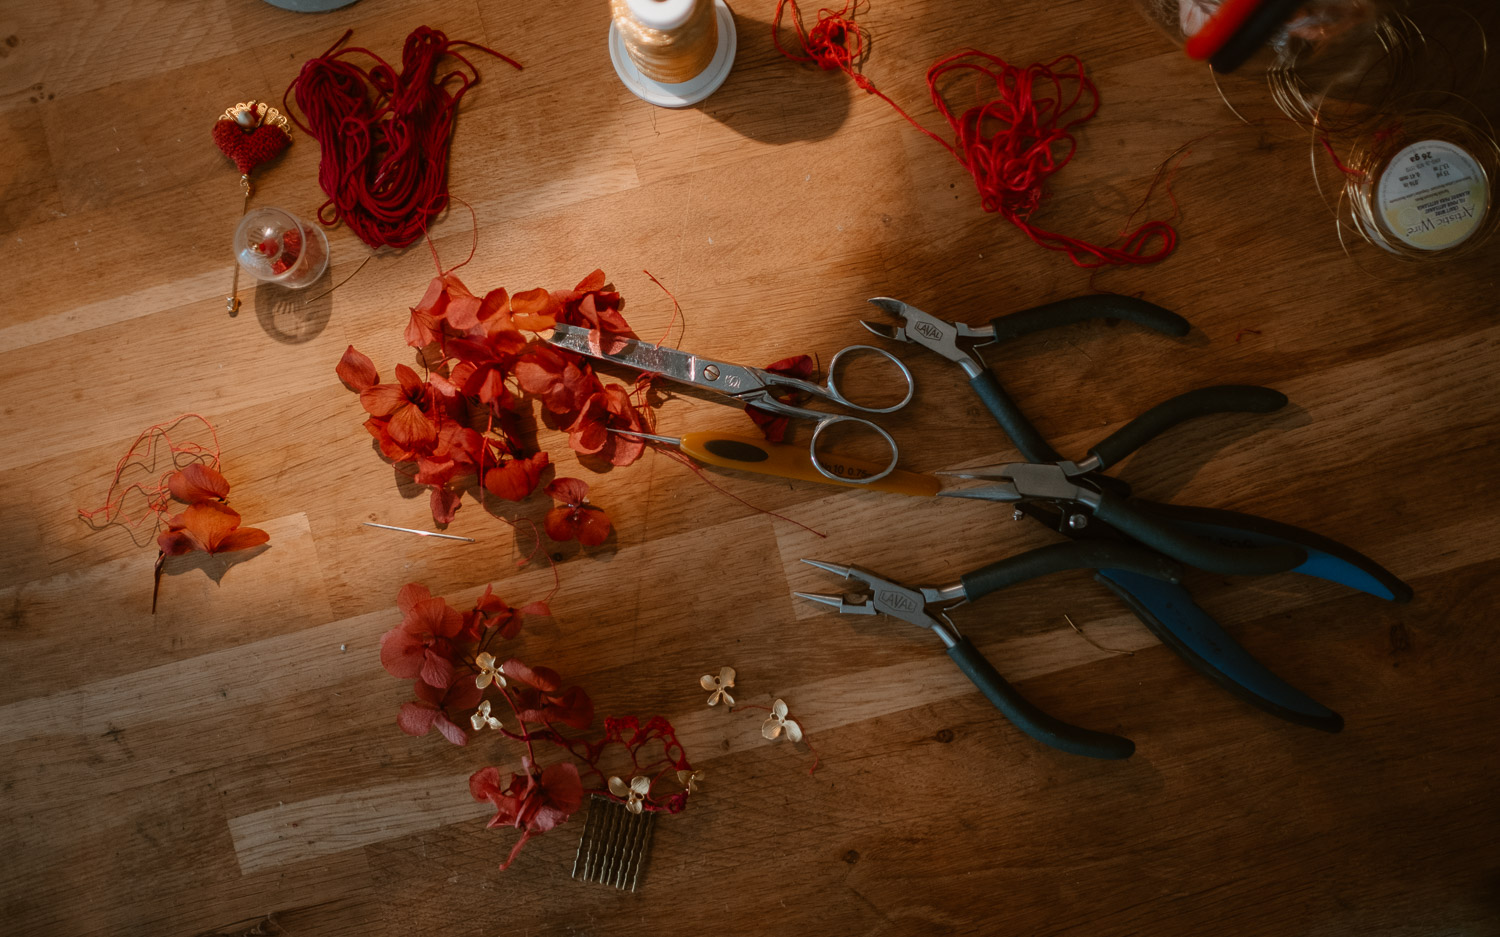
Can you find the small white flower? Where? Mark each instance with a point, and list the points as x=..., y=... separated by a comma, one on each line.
x=718, y=685
x=634, y=794
x=482, y=718
x=778, y=721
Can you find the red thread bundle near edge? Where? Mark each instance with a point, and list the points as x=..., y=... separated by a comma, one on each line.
x=384, y=135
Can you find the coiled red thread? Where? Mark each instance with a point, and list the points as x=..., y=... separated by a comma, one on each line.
x=1010, y=144
x=384, y=135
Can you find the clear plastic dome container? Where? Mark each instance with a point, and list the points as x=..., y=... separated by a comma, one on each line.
x=274, y=245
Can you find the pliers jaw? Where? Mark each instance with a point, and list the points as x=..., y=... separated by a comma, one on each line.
x=930, y=332
x=886, y=598
x=1028, y=481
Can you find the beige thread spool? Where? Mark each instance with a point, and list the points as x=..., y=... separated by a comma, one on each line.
x=670, y=41
x=671, y=52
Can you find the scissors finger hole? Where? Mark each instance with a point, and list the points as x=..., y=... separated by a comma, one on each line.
x=853, y=450
x=870, y=379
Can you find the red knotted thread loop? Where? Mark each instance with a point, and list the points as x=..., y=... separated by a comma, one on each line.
x=384, y=135
x=1010, y=144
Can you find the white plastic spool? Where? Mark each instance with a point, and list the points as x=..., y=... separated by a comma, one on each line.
x=671, y=14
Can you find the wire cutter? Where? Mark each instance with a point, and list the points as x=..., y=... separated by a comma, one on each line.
x=912, y=605
x=1066, y=496
x=749, y=386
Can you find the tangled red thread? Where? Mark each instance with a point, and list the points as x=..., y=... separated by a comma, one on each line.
x=384, y=135
x=1010, y=144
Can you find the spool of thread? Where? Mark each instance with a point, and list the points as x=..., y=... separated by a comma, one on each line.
x=672, y=53
x=1422, y=189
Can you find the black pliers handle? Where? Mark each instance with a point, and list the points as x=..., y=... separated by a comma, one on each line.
x=960, y=344
x=912, y=605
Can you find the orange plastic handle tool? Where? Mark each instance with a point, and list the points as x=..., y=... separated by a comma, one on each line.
x=748, y=454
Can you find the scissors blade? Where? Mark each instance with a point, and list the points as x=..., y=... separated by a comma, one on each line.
x=719, y=376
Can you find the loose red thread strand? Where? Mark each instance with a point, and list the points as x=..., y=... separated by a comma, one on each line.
x=384, y=135
x=1333, y=155
x=157, y=495
x=676, y=309
x=1009, y=145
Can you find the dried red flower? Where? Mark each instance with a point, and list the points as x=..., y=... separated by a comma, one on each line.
x=535, y=801
x=608, y=409
x=432, y=707
x=211, y=527
x=422, y=645
x=541, y=697
x=557, y=378
x=575, y=518
x=404, y=407
x=491, y=612
x=592, y=306
x=356, y=370
x=515, y=479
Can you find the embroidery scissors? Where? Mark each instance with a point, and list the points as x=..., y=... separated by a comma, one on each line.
x=750, y=386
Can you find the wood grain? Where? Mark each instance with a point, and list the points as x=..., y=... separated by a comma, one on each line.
x=231, y=765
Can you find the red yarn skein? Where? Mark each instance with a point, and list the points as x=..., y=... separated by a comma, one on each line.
x=384, y=135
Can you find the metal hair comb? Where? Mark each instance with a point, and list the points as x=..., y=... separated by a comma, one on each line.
x=613, y=846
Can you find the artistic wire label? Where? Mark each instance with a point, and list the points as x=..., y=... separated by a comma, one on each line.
x=1432, y=195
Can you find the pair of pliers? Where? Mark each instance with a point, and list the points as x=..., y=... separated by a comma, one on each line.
x=912, y=605
x=1222, y=540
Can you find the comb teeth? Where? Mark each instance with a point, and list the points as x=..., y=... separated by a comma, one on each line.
x=613, y=846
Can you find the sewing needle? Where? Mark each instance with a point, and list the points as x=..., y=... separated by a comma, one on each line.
x=420, y=533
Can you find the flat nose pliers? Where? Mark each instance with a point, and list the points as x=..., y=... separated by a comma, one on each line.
x=912, y=605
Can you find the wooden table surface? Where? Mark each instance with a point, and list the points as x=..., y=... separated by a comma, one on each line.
x=232, y=765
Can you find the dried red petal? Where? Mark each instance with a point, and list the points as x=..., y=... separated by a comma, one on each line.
x=411, y=428
x=798, y=366
x=437, y=669
x=178, y=542
x=356, y=370
x=198, y=482
x=209, y=523
x=416, y=719
x=562, y=789
x=484, y=784
x=401, y=653
x=243, y=539
x=593, y=526
x=590, y=431
x=444, y=503
x=463, y=311
x=432, y=618
x=410, y=595
x=540, y=678
x=572, y=491
x=435, y=301
x=573, y=708
x=451, y=732
x=382, y=400
x=534, y=309
x=516, y=479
